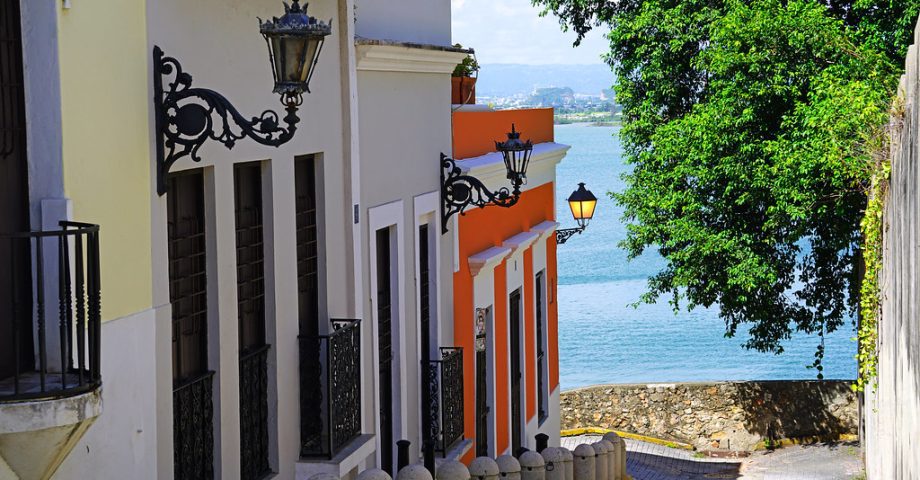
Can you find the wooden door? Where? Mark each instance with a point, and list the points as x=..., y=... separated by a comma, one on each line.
x=430, y=426
x=482, y=391
x=193, y=428
x=15, y=266
x=515, y=331
x=541, y=350
x=385, y=348
x=311, y=381
x=253, y=349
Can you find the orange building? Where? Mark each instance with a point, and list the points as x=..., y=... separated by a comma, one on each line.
x=505, y=311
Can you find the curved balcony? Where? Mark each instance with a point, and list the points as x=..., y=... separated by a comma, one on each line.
x=50, y=322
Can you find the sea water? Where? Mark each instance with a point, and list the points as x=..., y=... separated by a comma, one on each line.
x=602, y=339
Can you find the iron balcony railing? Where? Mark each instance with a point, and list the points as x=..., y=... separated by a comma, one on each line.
x=330, y=381
x=50, y=341
x=445, y=384
x=193, y=428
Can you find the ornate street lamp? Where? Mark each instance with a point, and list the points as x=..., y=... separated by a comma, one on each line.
x=188, y=116
x=517, y=156
x=294, y=42
x=459, y=191
x=581, y=203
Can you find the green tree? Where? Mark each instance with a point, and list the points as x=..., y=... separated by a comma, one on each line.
x=750, y=127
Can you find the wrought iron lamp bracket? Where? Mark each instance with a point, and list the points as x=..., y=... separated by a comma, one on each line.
x=460, y=191
x=187, y=116
x=566, y=233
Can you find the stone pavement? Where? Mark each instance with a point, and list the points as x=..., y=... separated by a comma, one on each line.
x=648, y=461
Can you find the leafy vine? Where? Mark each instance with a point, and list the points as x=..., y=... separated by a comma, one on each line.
x=872, y=227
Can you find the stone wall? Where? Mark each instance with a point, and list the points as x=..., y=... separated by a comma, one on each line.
x=724, y=415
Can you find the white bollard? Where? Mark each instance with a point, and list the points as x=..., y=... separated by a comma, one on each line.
x=373, y=474
x=532, y=466
x=584, y=462
x=600, y=460
x=554, y=463
x=483, y=468
x=508, y=467
x=324, y=476
x=414, y=471
x=452, y=470
x=620, y=454
x=611, y=460
x=568, y=460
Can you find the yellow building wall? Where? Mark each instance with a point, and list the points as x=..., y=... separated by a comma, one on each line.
x=105, y=100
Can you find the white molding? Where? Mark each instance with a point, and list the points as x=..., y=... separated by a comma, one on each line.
x=521, y=241
x=490, y=168
x=487, y=259
x=425, y=212
x=400, y=58
x=384, y=216
x=545, y=229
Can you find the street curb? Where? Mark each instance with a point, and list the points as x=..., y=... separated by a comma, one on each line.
x=788, y=442
x=572, y=432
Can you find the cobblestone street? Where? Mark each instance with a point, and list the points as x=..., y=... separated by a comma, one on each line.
x=649, y=461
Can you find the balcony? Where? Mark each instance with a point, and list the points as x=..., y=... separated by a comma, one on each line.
x=50, y=322
x=445, y=384
x=330, y=380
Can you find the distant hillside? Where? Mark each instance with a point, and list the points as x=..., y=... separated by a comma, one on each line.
x=505, y=80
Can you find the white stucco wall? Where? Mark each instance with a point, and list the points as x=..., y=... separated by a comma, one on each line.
x=219, y=44
x=404, y=124
x=122, y=441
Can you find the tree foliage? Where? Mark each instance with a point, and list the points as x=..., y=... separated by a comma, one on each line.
x=750, y=127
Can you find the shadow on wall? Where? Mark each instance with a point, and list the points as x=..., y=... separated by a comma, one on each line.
x=717, y=416
x=778, y=410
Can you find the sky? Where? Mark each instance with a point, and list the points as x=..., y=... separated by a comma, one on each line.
x=511, y=31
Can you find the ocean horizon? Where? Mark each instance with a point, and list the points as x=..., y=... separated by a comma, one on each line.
x=604, y=340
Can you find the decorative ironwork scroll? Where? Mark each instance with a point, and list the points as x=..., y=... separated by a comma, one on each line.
x=254, y=414
x=188, y=116
x=340, y=398
x=566, y=233
x=193, y=429
x=445, y=385
x=459, y=191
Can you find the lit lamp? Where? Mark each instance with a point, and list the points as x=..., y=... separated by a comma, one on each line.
x=582, y=203
x=459, y=190
x=188, y=116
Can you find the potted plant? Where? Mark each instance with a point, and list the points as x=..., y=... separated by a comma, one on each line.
x=463, y=83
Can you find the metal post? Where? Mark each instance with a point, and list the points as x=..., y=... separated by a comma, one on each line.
x=542, y=442
x=402, y=454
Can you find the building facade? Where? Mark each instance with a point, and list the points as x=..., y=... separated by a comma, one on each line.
x=505, y=287
x=273, y=311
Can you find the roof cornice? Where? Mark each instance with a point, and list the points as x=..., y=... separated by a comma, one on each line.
x=388, y=56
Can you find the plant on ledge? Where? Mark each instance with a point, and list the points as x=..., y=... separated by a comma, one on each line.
x=463, y=80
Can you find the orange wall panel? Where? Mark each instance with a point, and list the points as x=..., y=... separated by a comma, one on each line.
x=475, y=133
